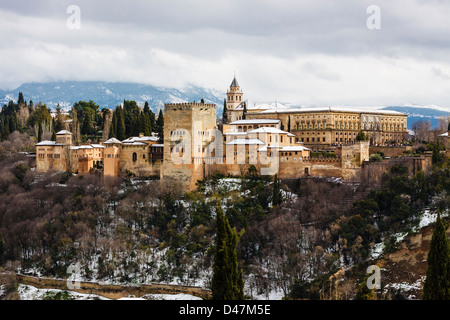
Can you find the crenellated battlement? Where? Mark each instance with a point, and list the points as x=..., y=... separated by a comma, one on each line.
x=188, y=106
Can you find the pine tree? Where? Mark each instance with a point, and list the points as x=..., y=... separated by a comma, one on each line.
x=227, y=282
x=53, y=135
x=437, y=282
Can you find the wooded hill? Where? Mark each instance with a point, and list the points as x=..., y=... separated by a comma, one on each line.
x=294, y=234
x=85, y=119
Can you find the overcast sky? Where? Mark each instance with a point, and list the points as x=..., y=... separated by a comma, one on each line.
x=317, y=52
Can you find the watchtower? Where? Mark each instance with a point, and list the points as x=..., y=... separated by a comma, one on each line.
x=187, y=131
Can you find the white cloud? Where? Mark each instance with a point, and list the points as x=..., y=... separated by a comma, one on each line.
x=304, y=52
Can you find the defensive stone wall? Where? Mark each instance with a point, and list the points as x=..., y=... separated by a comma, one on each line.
x=113, y=291
x=373, y=171
x=393, y=151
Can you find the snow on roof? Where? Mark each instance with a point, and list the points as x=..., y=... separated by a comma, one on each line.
x=157, y=145
x=49, y=143
x=444, y=134
x=268, y=130
x=269, y=147
x=283, y=148
x=294, y=148
x=134, y=143
x=255, y=121
x=140, y=139
x=251, y=105
x=332, y=109
x=62, y=132
x=112, y=141
x=87, y=146
x=241, y=141
x=98, y=146
x=236, y=133
x=81, y=147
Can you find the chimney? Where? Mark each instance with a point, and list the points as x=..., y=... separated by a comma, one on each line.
x=141, y=135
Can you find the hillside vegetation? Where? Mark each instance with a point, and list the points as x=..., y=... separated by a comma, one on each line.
x=295, y=234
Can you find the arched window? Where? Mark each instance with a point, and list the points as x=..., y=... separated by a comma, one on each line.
x=134, y=156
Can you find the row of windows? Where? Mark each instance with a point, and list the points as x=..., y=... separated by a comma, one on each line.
x=49, y=156
x=238, y=98
x=349, y=126
x=313, y=139
x=349, y=117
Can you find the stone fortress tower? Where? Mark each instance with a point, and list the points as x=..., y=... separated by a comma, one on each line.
x=188, y=130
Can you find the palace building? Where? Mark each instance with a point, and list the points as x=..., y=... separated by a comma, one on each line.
x=289, y=142
x=319, y=127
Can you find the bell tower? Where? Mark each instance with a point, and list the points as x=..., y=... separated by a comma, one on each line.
x=234, y=95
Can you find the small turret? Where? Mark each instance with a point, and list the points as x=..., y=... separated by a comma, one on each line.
x=234, y=95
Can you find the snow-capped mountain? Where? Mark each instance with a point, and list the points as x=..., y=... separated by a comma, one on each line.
x=415, y=113
x=111, y=94
x=108, y=94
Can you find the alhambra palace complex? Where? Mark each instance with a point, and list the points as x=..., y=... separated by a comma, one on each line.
x=289, y=142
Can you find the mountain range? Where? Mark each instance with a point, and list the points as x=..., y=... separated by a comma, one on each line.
x=110, y=94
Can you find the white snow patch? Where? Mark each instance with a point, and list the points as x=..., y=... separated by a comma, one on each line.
x=27, y=292
x=377, y=250
x=180, y=296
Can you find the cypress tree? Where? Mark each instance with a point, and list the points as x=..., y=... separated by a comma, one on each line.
x=152, y=117
x=277, y=196
x=244, y=113
x=120, y=128
x=227, y=282
x=20, y=100
x=12, y=122
x=225, y=110
x=59, y=122
x=135, y=124
x=145, y=123
x=437, y=282
x=113, y=127
x=160, y=126
x=39, y=132
x=146, y=108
